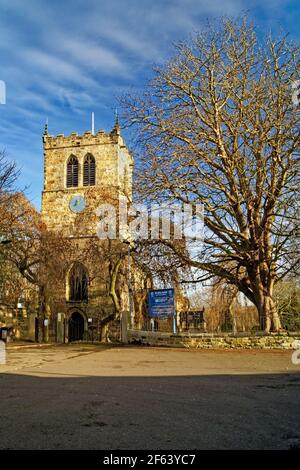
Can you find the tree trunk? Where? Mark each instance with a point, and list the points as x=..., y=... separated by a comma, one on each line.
x=44, y=313
x=268, y=315
x=113, y=274
x=104, y=333
x=233, y=317
x=262, y=288
x=112, y=290
x=41, y=313
x=276, y=322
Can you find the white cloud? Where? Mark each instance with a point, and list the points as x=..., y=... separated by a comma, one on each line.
x=59, y=69
x=94, y=56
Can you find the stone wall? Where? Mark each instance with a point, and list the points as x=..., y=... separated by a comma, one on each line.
x=16, y=320
x=210, y=341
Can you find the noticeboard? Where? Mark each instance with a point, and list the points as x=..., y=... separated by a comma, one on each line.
x=161, y=302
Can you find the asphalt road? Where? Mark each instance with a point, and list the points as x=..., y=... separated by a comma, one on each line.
x=84, y=397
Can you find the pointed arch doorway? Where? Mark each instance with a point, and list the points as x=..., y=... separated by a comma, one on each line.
x=76, y=327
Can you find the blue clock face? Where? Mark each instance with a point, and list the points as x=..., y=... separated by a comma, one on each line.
x=77, y=204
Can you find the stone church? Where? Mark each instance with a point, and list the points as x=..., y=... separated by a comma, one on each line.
x=81, y=172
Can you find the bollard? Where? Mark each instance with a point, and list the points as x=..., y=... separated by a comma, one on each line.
x=2, y=352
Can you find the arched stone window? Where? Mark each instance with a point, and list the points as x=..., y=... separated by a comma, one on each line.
x=72, y=172
x=78, y=283
x=89, y=171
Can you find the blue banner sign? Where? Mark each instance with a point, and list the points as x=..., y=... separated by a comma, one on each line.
x=161, y=302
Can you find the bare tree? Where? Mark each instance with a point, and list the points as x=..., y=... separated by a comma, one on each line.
x=41, y=257
x=8, y=174
x=8, y=177
x=217, y=125
x=287, y=297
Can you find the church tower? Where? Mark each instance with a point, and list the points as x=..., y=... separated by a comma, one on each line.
x=82, y=172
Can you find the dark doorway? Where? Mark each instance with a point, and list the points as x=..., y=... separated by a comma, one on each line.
x=76, y=327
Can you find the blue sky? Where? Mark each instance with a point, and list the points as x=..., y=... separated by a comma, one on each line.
x=66, y=58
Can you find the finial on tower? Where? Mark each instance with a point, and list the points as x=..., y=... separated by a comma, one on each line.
x=46, y=127
x=45, y=131
x=116, y=128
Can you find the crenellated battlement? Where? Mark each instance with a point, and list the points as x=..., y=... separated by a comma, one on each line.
x=112, y=168
x=80, y=140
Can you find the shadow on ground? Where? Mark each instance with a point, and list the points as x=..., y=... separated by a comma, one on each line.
x=185, y=412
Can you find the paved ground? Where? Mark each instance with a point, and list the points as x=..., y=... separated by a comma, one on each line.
x=87, y=397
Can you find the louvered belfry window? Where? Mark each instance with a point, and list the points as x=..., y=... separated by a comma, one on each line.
x=72, y=172
x=89, y=171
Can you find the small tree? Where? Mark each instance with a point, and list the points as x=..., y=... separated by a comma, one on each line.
x=287, y=297
x=39, y=256
x=8, y=177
